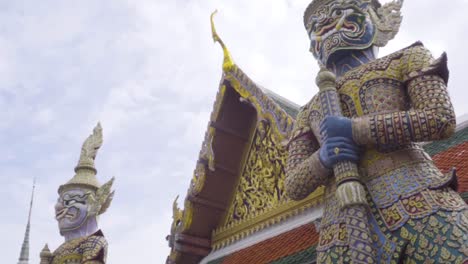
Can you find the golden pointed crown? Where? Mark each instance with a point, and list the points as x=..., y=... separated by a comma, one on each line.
x=85, y=172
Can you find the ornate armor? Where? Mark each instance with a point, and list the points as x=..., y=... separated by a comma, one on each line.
x=89, y=249
x=393, y=102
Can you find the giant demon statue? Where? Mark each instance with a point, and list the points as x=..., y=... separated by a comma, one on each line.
x=385, y=200
x=81, y=200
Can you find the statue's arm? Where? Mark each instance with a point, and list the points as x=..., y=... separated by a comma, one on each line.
x=304, y=170
x=430, y=116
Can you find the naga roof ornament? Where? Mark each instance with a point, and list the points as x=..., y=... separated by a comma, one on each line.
x=228, y=62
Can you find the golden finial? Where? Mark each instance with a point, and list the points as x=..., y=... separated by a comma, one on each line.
x=46, y=255
x=228, y=63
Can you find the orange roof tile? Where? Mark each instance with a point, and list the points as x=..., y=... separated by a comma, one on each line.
x=277, y=247
x=455, y=157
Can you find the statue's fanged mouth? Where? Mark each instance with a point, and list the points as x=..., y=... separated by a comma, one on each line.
x=64, y=214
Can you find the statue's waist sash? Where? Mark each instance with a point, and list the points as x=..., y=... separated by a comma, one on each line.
x=401, y=185
x=375, y=164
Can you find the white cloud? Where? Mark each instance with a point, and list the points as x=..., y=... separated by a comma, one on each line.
x=149, y=71
x=44, y=117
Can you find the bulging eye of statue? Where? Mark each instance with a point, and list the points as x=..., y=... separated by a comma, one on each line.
x=337, y=13
x=72, y=202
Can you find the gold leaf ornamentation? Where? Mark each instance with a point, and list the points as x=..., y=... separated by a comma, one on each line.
x=198, y=180
x=261, y=183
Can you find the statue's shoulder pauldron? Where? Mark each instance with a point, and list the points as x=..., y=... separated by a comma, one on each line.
x=417, y=61
x=306, y=115
x=94, y=248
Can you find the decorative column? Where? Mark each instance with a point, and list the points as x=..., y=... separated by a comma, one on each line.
x=46, y=255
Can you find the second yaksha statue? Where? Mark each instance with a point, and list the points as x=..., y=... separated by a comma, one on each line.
x=388, y=105
x=81, y=200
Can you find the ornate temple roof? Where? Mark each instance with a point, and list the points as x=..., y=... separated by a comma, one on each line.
x=288, y=106
x=240, y=109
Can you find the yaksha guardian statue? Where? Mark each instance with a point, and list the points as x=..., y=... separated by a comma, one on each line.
x=385, y=200
x=80, y=202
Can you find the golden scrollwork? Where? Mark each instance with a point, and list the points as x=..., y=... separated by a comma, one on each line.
x=198, y=179
x=261, y=183
x=187, y=216
x=177, y=215
x=227, y=234
x=206, y=152
x=181, y=218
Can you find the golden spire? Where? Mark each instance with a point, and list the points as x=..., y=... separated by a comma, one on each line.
x=228, y=63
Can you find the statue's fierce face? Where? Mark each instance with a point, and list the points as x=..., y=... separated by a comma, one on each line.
x=336, y=27
x=72, y=209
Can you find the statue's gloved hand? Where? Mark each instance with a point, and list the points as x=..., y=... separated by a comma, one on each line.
x=336, y=149
x=336, y=126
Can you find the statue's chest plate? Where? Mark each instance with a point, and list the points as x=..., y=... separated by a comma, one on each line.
x=69, y=252
x=373, y=88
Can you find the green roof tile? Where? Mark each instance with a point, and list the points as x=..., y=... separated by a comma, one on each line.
x=465, y=196
x=291, y=110
x=303, y=257
x=216, y=261
x=436, y=147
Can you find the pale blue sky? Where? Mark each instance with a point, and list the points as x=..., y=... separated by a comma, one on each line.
x=149, y=71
